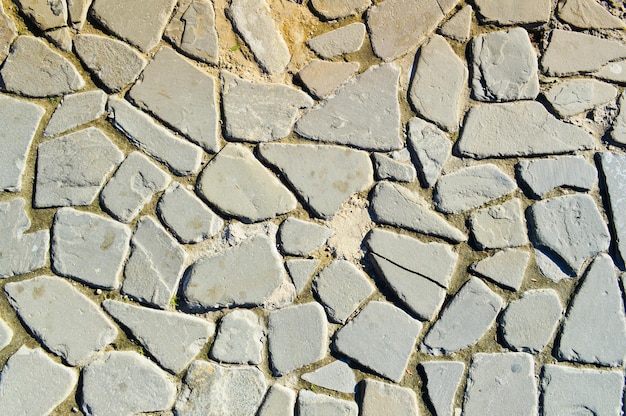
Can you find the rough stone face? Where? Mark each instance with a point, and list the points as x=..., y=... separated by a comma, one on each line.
x=279, y=401
x=112, y=62
x=46, y=15
x=346, y=39
x=34, y=70
x=499, y=226
x=548, y=266
x=301, y=271
x=613, y=71
x=501, y=384
x=387, y=168
x=387, y=399
x=336, y=376
x=8, y=32
x=6, y=334
x=431, y=148
x=391, y=335
x=322, y=78
x=76, y=110
x=613, y=166
x=259, y=112
x=124, y=383
x=75, y=337
x=363, y=113
x=192, y=30
x=442, y=382
x=505, y=268
x=575, y=96
x=594, y=329
x=323, y=176
x=239, y=339
x=588, y=14
x=19, y=120
x=538, y=177
x=464, y=320
x=297, y=336
x=332, y=9
x=458, y=26
x=61, y=38
x=311, y=404
x=77, y=11
x=155, y=265
x=523, y=128
x=471, y=187
x=570, y=227
x=510, y=12
x=300, y=238
x=253, y=21
x=618, y=133
x=72, y=169
x=31, y=383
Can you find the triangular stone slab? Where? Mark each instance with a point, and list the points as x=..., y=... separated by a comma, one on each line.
x=336, y=376
x=506, y=268
x=301, y=271
x=442, y=382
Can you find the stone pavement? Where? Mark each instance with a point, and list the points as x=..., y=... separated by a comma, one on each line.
x=312, y=207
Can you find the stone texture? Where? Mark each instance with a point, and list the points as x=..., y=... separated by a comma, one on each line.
x=499, y=226
x=46, y=15
x=387, y=168
x=588, y=14
x=508, y=12
x=613, y=71
x=239, y=339
x=31, y=383
x=579, y=95
x=279, y=401
x=61, y=38
x=464, y=320
x=323, y=176
x=8, y=32
x=77, y=11
x=442, y=382
x=321, y=78
x=364, y=112
x=72, y=169
x=300, y=238
x=594, y=329
x=383, y=399
x=391, y=335
x=155, y=265
x=549, y=267
x=6, y=334
x=257, y=111
x=112, y=62
x=346, y=39
x=75, y=337
x=192, y=30
x=613, y=166
x=522, y=128
x=431, y=148
x=436, y=95
x=124, y=383
x=538, y=177
x=76, y=110
x=34, y=70
x=506, y=268
x=301, y=271
x=333, y=9
x=618, y=133
x=337, y=376
x=312, y=404
x=458, y=26
x=297, y=336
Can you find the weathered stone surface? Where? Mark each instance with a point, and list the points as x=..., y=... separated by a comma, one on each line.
x=509, y=377
x=391, y=335
x=155, y=265
x=499, y=226
x=300, y=238
x=61, y=38
x=346, y=39
x=431, y=148
x=192, y=30
x=332, y=9
x=522, y=128
x=34, y=70
x=182, y=157
x=458, y=26
x=572, y=52
x=75, y=337
x=6, y=334
x=259, y=112
x=618, y=133
x=312, y=404
x=387, y=168
x=505, y=268
x=567, y=390
x=363, y=113
x=323, y=176
x=20, y=253
x=528, y=323
x=8, y=32
x=301, y=271
x=588, y=14
x=471, y=187
x=613, y=166
x=237, y=184
x=297, y=336
x=436, y=94
x=508, y=12
x=72, y=169
x=46, y=15
x=253, y=20
x=76, y=110
x=575, y=96
x=594, y=329
x=186, y=216
x=322, y=78
x=239, y=339
x=31, y=383
x=77, y=11
x=569, y=227
x=336, y=376
x=170, y=83
x=387, y=399
x=140, y=22
x=113, y=63
x=395, y=205
x=464, y=320
x=279, y=401
x=442, y=382
x=549, y=267
x=124, y=383
x=538, y=177
x=613, y=71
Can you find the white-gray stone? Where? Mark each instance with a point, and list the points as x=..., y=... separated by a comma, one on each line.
x=588, y=14
x=300, y=238
x=575, y=96
x=333, y=9
x=61, y=38
x=499, y=226
x=387, y=168
x=540, y=176
x=322, y=78
x=442, y=382
x=75, y=337
x=192, y=30
x=383, y=399
x=312, y=404
x=46, y=15
x=336, y=376
x=279, y=401
x=301, y=271
x=6, y=334
x=239, y=339
x=618, y=132
x=431, y=148
x=458, y=27
x=613, y=167
x=77, y=11
x=506, y=268
x=510, y=12
x=76, y=110
x=613, y=71
x=548, y=266
x=8, y=32
x=346, y=39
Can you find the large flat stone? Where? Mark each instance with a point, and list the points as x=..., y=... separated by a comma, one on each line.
x=579, y=95
x=76, y=110
x=510, y=12
x=442, y=382
x=332, y=9
x=239, y=339
x=346, y=39
x=499, y=226
x=337, y=376
x=380, y=399
x=431, y=148
x=312, y=404
x=540, y=176
x=613, y=166
x=588, y=14
x=192, y=30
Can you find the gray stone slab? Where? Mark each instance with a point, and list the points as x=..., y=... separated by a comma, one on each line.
x=395, y=205
x=346, y=39
x=575, y=96
x=301, y=271
x=332, y=9
x=588, y=14
x=170, y=83
x=33, y=69
x=20, y=253
x=155, y=265
x=363, y=113
x=442, y=382
x=618, y=132
x=239, y=339
x=538, y=177
x=613, y=71
x=132, y=187
x=387, y=168
x=77, y=12
x=124, y=383
x=192, y=30
x=594, y=329
x=337, y=376
x=390, y=335
x=528, y=323
x=76, y=110
x=321, y=78
x=45, y=15
x=253, y=21
x=465, y=320
x=6, y=334
x=436, y=95
x=312, y=404
x=549, y=266
x=31, y=383
x=510, y=12
x=323, y=176
x=279, y=401
x=501, y=384
x=297, y=336
x=182, y=157
x=61, y=38
x=431, y=148
x=499, y=226
x=8, y=32
x=471, y=187
x=506, y=268
x=523, y=128
x=459, y=25
x=75, y=337
x=110, y=61
x=383, y=399
x=569, y=227
x=613, y=166
x=72, y=169
x=567, y=390
x=300, y=238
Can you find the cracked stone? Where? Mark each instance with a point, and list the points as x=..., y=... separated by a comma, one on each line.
x=499, y=226
x=538, y=177
x=442, y=382
x=506, y=268
x=346, y=39
x=337, y=376
x=300, y=238
x=239, y=339
x=76, y=110
x=575, y=96
x=192, y=30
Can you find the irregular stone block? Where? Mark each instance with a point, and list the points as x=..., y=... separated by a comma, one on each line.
x=588, y=14
x=538, y=177
x=549, y=267
x=346, y=39
x=511, y=12
x=45, y=15
x=239, y=339
x=6, y=334
x=336, y=376
x=613, y=71
x=279, y=401
x=458, y=26
x=387, y=168
x=301, y=271
x=499, y=226
x=613, y=166
x=387, y=399
x=8, y=32
x=300, y=238
x=192, y=30
x=332, y=9
x=442, y=382
x=431, y=148
x=76, y=110
x=618, y=133
x=321, y=78
x=575, y=96
x=311, y=404
x=77, y=11
x=506, y=268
